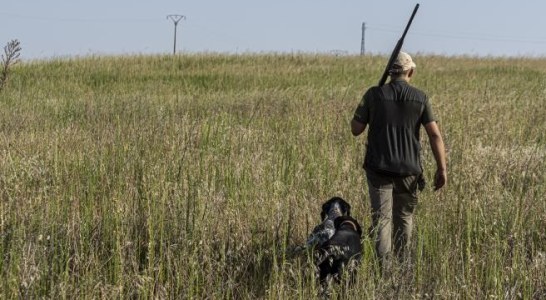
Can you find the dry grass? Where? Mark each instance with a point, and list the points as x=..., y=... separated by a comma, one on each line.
x=193, y=176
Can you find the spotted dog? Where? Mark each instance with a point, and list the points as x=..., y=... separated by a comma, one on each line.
x=331, y=209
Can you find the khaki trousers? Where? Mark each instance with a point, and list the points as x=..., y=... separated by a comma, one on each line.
x=393, y=201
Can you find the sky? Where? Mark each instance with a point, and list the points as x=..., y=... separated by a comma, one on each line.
x=75, y=28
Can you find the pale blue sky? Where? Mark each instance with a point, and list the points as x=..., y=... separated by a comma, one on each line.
x=68, y=28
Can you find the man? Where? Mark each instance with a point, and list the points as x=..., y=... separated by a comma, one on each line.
x=394, y=114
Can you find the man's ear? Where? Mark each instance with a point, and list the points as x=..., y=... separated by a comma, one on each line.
x=410, y=73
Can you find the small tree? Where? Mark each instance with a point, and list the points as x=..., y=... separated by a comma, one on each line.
x=10, y=57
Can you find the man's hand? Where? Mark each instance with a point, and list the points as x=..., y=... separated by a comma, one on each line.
x=440, y=179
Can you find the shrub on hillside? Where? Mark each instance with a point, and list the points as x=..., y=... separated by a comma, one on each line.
x=10, y=57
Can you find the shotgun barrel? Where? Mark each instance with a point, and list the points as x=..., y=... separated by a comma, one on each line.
x=397, y=49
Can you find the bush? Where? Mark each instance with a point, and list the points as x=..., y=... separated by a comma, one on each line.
x=10, y=57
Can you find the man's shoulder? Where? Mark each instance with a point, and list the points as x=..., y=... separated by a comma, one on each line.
x=374, y=92
x=417, y=90
x=416, y=93
x=373, y=89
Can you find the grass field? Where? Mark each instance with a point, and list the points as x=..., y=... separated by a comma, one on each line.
x=194, y=176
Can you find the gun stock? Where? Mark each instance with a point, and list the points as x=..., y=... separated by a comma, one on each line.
x=397, y=49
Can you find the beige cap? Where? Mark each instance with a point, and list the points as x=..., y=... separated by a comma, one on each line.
x=403, y=62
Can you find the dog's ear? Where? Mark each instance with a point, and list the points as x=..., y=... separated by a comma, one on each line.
x=338, y=220
x=325, y=209
x=346, y=207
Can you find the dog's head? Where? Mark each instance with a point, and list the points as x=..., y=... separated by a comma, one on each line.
x=348, y=223
x=334, y=208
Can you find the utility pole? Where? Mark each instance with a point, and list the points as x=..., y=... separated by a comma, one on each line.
x=175, y=19
x=362, y=48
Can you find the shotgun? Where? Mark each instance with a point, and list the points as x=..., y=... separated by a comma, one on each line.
x=397, y=48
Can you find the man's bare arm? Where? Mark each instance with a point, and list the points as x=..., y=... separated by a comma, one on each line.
x=439, y=152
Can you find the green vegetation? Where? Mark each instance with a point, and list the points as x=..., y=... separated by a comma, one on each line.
x=12, y=50
x=194, y=176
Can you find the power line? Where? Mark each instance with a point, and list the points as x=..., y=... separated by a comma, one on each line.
x=474, y=37
x=483, y=38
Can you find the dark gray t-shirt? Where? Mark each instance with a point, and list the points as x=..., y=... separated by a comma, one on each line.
x=394, y=114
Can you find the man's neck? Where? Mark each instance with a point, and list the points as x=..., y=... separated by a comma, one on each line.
x=400, y=78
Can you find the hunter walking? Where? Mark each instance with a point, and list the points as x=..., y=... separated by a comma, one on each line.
x=394, y=114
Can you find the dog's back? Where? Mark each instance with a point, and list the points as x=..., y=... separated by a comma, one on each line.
x=342, y=250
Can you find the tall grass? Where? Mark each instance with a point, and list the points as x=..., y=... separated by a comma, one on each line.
x=195, y=176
